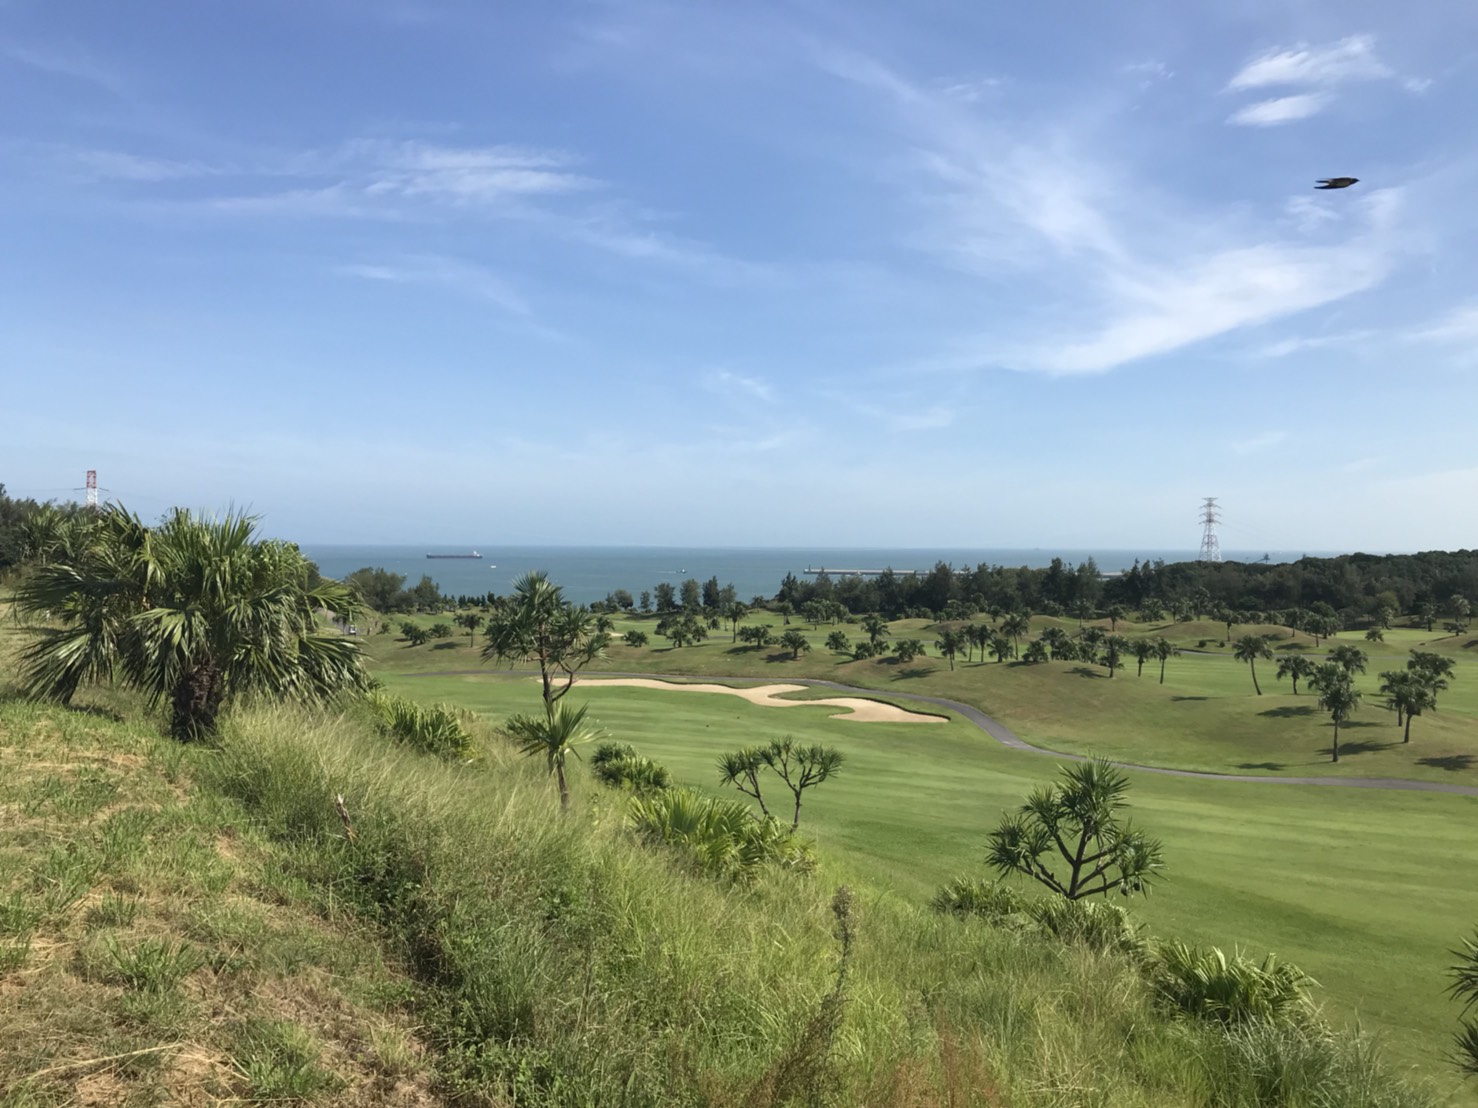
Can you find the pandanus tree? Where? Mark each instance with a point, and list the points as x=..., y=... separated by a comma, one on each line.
x=1249, y=649
x=537, y=624
x=1114, y=649
x=876, y=627
x=1073, y=838
x=555, y=734
x=1351, y=658
x=197, y=611
x=470, y=620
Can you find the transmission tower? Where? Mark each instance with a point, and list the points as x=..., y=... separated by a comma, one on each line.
x=1210, y=548
x=92, y=489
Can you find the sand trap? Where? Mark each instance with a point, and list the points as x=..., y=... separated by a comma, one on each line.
x=856, y=707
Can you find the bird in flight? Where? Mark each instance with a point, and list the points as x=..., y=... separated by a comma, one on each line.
x=1336, y=182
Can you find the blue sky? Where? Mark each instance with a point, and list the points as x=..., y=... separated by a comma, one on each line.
x=806, y=273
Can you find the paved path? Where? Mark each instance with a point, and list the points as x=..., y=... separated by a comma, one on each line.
x=1009, y=738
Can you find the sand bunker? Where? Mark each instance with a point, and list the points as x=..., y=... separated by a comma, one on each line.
x=856, y=707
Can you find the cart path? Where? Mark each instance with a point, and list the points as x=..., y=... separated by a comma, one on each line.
x=1008, y=738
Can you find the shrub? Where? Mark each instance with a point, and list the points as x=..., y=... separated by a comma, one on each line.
x=619, y=766
x=722, y=837
x=989, y=900
x=1204, y=982
x=1096, y=924
x=437, y=729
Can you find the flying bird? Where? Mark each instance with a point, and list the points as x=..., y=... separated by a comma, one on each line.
x=1336, y=182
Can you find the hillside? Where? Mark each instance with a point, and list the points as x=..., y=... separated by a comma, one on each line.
x=190, y=924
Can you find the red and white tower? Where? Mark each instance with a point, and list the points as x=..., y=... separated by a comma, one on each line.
x=92, y=489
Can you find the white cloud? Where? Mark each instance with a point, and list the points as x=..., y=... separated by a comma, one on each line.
x=1416, y=84
x=1282, y=109
x=1148, y=275
x=1349, y=59
x=972, y=90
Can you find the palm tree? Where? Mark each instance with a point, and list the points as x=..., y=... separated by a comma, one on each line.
x=980, y=635
x=876, y=627
x=795, y=641
x=1249, y=649
x=1296, y=666
x=536, y=623
x=1015, y=625
x=1408, y=692
x=1352, y=658
x=1375, y=634
x=555, y=735
x=1143, y=650
x=734, y=613
x=1426, y=614
x=197, y=611
x=1337, y=695
x=1229, y=617
x=470, y=620
x=1001, y=648
x=1036, y=650
x=950, y=642
x=1115, y=612
x=1114, y=649
x=1164, y=649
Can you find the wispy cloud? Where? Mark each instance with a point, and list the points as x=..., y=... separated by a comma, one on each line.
x=1318, y=342
x=1348, y=59
x=1157, y=276
x=1259, y=442
x=1459, y=326
x=1282, y=109
x=449, y=273
x=738, y=386
x=70, y=62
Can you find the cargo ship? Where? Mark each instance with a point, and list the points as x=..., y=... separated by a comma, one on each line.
x=474, y=554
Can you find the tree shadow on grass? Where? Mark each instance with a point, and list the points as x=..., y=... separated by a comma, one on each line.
x=913, y=672
x=1296, y=647
x=1084, y=671
x=1450, y=762
x=446, y=646
x=1290, y=711
x=1190, y=698
x=1261, y=765
x=1360, y=746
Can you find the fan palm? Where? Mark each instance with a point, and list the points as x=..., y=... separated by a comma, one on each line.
x=196, y=610
x=1296, y=666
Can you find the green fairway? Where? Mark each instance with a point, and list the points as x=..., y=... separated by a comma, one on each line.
x=1205, y=716
x=1361, y=888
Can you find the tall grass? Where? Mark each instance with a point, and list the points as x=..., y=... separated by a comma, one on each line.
x=561, y=961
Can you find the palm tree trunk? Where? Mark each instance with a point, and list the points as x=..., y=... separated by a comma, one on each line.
x=1406, y=738
x=1336, y=740
x=196, y=702
x=1256, y=687
x=1162, y=671
x=564, y=788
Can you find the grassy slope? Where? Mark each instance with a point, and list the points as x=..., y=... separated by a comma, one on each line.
x=150, y=952
x=1327, y=878
x=541, y=961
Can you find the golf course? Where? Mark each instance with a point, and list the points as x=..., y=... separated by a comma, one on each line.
x=1366, y=889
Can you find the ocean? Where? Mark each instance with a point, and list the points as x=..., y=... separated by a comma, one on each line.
x=588, y=573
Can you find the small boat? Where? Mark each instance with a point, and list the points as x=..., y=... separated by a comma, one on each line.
x=474, y=554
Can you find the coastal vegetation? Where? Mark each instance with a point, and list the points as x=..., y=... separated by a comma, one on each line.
x=522, y=919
